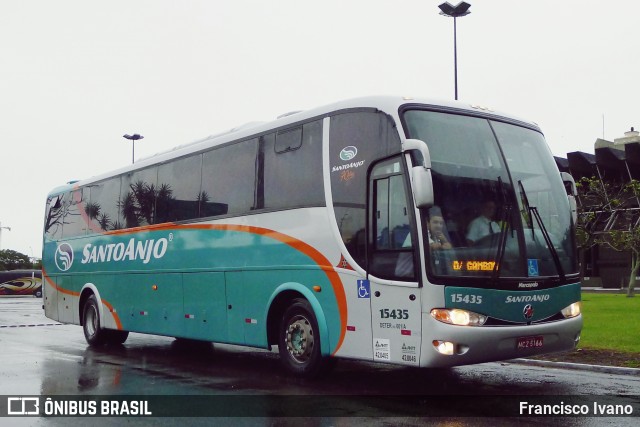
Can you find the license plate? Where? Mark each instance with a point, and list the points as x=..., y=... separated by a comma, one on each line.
x=529, y=342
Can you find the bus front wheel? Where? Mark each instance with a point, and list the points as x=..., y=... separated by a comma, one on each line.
x=299, y=340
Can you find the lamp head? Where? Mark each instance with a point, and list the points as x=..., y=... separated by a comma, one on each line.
x=461, y=9
x=133, y=137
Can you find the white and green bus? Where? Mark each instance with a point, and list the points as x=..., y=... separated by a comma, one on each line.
x=314, y=233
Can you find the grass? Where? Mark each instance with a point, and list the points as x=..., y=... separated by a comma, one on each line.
x=611, y=322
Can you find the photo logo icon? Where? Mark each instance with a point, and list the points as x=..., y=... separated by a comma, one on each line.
x=23, y=406
x=64, y=257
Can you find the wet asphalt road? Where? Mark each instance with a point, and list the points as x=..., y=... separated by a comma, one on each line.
x=39, y=357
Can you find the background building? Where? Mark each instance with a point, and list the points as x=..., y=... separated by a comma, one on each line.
x=613, y=162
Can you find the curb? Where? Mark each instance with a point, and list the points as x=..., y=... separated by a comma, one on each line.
x=578, y=366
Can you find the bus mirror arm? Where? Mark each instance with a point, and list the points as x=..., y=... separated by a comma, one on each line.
x=572, y=193
x=421, y=179
x=418, y=146
x=569, y=184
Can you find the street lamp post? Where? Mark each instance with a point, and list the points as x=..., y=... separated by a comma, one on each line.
x=133, y=138
x=2, y=228
x=461, y=9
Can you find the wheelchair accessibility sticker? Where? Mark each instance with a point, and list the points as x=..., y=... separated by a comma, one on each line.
x=532, y=267
x=364, y=290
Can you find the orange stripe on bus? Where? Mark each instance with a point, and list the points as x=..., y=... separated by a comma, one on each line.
x=58, y=288
x=116, y=318
x=300, y=246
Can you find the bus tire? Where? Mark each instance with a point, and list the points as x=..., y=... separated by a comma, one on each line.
x=93, y=331
x=116, y=337
x=299, y=340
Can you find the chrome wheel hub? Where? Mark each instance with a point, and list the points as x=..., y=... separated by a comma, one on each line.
x=300, y=339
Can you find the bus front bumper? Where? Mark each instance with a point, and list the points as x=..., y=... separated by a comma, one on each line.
x=445, y=345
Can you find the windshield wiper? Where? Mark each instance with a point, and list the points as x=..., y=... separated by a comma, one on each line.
x=525, y=202
x=532, y=210
x=505, y=224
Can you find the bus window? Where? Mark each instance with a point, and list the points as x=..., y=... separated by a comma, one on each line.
x=74, y=225
x=224, y=189
x=179, y=178
x=293, y=153
x=356, y=140
x=54, y=218
x=103, y=212
x=138, y=194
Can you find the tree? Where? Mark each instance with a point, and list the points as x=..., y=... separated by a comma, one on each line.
x=12, y=260
x=609, y=215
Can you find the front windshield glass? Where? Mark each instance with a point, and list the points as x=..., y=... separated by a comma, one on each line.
x=499, y=200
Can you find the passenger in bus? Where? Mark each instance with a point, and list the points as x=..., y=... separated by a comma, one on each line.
x=440, y=247
x=438, y=238
x=483, y=225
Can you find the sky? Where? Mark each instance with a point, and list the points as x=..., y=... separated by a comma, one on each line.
x=77, y=75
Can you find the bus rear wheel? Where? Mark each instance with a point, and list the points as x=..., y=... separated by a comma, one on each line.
x=299, y=340
x=93, y=331
x=116, y=337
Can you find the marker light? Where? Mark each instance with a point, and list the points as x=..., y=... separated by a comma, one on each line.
x=455, y=316
x=573, y=310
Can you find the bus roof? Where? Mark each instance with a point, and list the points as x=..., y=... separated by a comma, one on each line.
x=387, y=104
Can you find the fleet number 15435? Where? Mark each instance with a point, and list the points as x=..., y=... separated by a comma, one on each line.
x=467, y=299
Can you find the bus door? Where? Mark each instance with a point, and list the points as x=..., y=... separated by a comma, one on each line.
x=392, y=266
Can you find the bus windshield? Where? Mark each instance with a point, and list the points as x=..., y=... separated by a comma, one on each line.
x=500, y=207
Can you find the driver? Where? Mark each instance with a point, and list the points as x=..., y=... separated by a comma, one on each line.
x=484, y=225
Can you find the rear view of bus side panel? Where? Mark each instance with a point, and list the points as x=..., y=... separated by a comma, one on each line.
x=66, y=300
x=50, y=298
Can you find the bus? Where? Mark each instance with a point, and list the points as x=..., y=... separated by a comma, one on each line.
x=313, y=233
x=21, y=282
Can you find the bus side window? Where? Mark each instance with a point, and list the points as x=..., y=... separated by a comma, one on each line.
x=292, y=167
x=228, y=179
x=54, y=218
x=178, y=188
x=74, y=225
x=357, y=139
x=139, y=193
x=103, y=206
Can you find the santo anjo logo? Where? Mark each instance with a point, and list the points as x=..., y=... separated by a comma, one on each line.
x=527, y=312
x=64, y=257
x=348, y=153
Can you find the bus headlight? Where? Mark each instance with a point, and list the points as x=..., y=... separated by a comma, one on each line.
x=572, y=311
x=455, y=316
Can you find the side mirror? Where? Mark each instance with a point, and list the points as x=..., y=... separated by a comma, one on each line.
x=572, y=192
x=569, y=184
x=421, y=180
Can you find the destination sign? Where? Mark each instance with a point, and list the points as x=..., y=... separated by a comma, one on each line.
x=473, y=265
